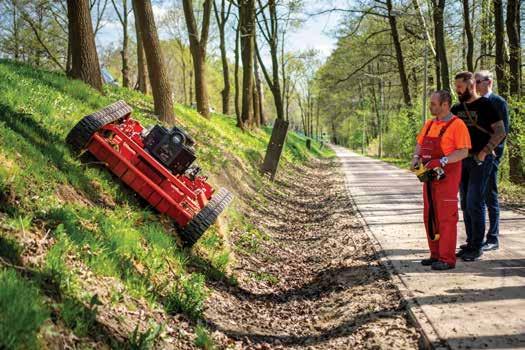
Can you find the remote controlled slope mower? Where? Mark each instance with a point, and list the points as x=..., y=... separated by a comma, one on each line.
x=157, y=163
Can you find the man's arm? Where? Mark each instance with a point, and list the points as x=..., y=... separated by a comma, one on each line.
x=458, y=155
x=495, y=139
x=415, y=157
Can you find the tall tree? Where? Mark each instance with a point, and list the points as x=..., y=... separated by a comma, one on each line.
x=513, y=33
x=221, y=15
x=142, y=71
x=198, y=51
x=399, y=53
x=499, y=29
x=237, y=96
x=85, y=65
x=469, y=36
x=516, y=172
x=438, y=10
x=162, y=96
x=269, y=28
x=247, y=42
x=123, y=12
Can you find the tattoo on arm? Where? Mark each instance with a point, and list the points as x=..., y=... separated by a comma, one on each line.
x=496, y=138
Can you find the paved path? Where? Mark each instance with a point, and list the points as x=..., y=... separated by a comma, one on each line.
x=478, y=305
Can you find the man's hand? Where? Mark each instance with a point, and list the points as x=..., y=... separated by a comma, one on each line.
x=481, y=155
x=415, y=162
x=433, y=163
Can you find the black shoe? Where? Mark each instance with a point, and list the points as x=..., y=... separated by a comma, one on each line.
x=440, y=265
x=428, y=262
x=490, y=246
x=472, y=255
x=461, y=252
x=463, y=246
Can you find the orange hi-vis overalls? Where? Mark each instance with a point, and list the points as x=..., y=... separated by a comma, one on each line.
x=441, y=200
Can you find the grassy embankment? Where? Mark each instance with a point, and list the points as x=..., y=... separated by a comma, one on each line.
x=73, y=240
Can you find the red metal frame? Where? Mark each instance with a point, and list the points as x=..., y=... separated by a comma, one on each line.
x=121, y=148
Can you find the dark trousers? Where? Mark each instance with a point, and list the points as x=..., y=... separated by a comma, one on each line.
x=473, y=187
x=491, y=198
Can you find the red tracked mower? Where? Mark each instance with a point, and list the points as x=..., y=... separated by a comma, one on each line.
x=156, y=163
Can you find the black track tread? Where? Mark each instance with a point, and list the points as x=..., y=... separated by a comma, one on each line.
x=79, y=136
x=191, y=233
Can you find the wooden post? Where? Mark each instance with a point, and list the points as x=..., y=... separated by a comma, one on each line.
x=275, y=148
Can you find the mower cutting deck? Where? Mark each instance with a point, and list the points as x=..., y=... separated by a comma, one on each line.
x=156, y=163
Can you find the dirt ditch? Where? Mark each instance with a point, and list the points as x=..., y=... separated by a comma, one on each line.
x=314, y=282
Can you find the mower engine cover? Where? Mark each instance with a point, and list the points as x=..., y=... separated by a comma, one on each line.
x=172, y=148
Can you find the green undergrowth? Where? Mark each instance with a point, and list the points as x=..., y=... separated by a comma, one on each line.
x=99, y=225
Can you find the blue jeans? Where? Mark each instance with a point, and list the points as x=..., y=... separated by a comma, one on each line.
x=491, y=198
x=473, y=187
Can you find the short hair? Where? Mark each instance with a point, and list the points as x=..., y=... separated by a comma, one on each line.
x=484, y=74
x=444, y=96
x=465, y=76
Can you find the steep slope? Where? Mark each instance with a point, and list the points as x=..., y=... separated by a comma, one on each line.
x=92, y=264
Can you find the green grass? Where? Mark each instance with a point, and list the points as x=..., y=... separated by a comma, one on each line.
x=204, y=339
x=99, y=222
x=22, y=312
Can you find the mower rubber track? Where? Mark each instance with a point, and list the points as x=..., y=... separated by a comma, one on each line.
x=191, y=233
x=81, y=133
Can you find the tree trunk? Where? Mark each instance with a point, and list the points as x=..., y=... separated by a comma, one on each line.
x=198, y=52
x=222, y=18
x=125, y=65
x=441, y=50
x=85, y=65
x=162, y=96
x=184, y=71
x=16, y=35
x=123, y=18
x=485, y=47
x=470, y=37
x=399, y=54
x=516, y=173
x=513, y=8
x=142, y=73
x=499, y=30
x=236, y=77
x=247, y=18
x=256, y=105
x=271, y=34
x=259, y=93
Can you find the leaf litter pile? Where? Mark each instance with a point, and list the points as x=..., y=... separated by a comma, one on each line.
x=308, y=277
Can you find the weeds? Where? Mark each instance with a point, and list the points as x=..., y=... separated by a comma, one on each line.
x=204, y=339
x=144, y=340
x=188, y=296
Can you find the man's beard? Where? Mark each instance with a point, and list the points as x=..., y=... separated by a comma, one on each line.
x=464, y=97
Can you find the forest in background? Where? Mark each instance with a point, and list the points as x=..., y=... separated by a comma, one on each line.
x=369, y=94
x=391, y=54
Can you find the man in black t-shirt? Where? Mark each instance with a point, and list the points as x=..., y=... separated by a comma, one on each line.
x=486, y=131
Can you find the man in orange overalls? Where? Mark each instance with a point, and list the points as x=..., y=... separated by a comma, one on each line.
x=442, y=143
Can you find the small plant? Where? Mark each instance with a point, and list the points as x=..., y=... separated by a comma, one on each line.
x=20, y=223
x=78, y=317
x=144, y=340
x=265, y=277
x=204, y=339
x=188, y=296
x=22, y=312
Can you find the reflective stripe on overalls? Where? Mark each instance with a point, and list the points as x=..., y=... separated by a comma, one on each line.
x=441, y=200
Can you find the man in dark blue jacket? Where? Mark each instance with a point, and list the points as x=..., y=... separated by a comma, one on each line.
x=484, y=84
